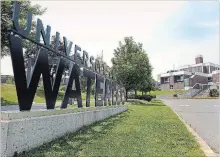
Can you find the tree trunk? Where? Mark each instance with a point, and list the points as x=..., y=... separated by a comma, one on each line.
x=126, y=95
x=142, y=93
x=135, y=93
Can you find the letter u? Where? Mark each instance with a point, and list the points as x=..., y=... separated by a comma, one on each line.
x=16, y=12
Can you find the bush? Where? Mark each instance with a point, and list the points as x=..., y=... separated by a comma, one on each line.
x=142, y=97
x=214, y=93
x=146, y=97
x=63, y=87
x=60, y=95
x=10, y=80
x=131, y=96
x=153, y=96
x=175, y=95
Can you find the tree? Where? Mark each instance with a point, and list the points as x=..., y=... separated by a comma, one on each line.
x=6, y=15
x=147, y=85
x=131, y=65
x=146, y=81
x=31, y=52
x=144, y=70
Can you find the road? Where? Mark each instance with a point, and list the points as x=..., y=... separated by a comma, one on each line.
x=202, y=115
x=34, y=106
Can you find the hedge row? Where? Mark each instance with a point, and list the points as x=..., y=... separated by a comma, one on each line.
x=142, y=97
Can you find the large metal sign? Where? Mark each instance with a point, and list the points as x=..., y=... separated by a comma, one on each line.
x=111, y=94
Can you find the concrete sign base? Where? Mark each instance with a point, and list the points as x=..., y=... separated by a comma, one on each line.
x=22, y=131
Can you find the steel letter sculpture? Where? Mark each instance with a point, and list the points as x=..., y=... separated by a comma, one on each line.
x=26, y=87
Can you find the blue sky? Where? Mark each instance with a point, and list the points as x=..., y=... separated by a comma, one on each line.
x=172, y=32
x=192, y=20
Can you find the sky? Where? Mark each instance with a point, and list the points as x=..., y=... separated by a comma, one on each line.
x=172, y=32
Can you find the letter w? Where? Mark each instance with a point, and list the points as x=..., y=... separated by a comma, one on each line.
x=26, y=89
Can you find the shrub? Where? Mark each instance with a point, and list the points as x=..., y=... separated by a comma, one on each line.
x=10, y=80
x=147, y=98
x=142, y=97
x=93, y=89
x=214, y=93
x=153, y=96
x=175, y=95
x=60, y=95
x=132, y=96
x=63, y=87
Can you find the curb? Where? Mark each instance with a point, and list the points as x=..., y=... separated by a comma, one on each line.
x=203, y=145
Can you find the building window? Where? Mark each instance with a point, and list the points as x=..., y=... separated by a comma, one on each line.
x=171, y=86
x=209, y=79
x=186, y=82
x=179, y=78
x=166, y=80
x=205, y=69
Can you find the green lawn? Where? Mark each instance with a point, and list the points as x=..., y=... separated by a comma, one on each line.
x=9, y=95
x=163, y=92
x=146, y=129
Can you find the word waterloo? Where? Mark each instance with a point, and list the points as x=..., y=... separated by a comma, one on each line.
x=26, y=88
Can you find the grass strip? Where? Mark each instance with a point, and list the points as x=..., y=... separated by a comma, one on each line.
x=148, y=129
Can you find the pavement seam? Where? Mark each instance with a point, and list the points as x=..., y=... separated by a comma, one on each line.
x=203, y=145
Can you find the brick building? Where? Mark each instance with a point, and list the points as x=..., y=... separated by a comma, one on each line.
x=187, y=76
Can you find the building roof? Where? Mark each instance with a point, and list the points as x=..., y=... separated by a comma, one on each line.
x=200, y=64
x=199, y=56
x=189, y=73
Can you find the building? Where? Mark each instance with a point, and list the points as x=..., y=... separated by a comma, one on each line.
x=187, y=76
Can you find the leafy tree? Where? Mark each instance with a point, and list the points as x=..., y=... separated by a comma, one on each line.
x=146, y=81
x=6, y=15
x=146, y=85
x=144, y=69
x=131, y=65
x=30, y=55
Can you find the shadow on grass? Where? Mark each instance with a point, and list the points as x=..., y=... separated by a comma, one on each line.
x=71, y=144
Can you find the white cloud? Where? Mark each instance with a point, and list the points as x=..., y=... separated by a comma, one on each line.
x=103, y=24
x=208, y=24
x=181, y=52
x=97, y=26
